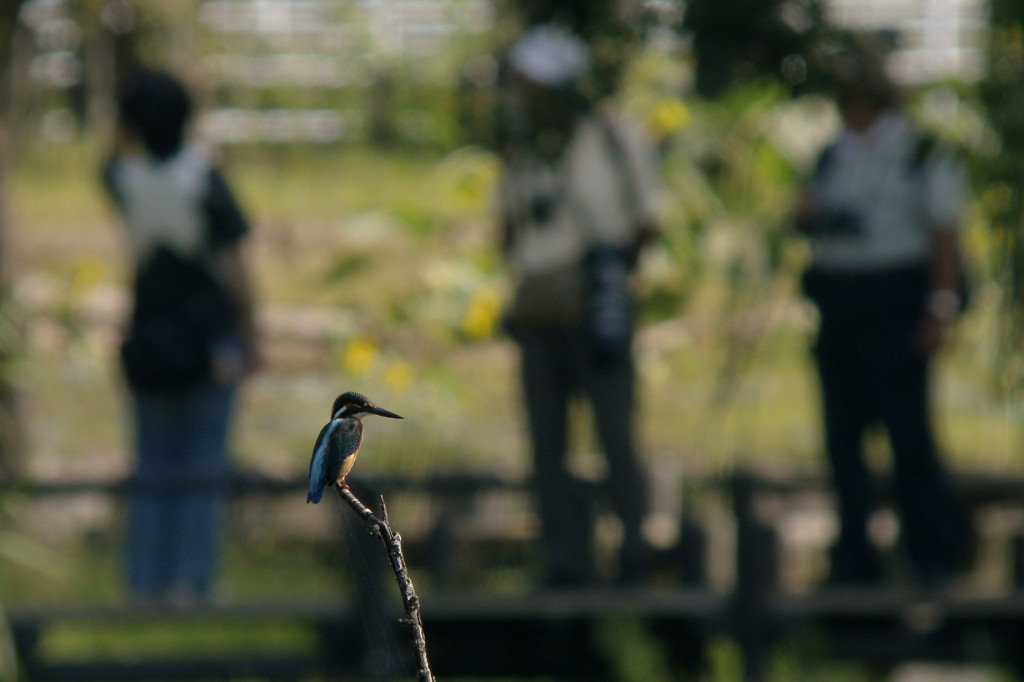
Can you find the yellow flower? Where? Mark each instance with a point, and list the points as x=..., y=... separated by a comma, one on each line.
x=477, y=183
x=482, y=314
x=88, y=273
x=399, y=377
x=668, y=116
x=359, y=355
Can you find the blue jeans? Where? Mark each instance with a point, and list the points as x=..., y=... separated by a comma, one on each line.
x=181, y=441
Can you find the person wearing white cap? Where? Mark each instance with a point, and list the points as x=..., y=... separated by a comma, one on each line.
x=577, y=203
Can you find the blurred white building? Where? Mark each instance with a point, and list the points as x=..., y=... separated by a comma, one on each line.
x=936, y=39
x=326, y=46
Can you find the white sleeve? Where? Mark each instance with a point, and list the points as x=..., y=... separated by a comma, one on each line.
x=945, y=190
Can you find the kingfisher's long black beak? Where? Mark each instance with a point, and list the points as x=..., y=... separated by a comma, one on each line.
x=380, y=411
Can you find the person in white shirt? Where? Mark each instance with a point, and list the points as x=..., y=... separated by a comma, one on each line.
x=882, y=216
x=577, y=204
x=190, y=338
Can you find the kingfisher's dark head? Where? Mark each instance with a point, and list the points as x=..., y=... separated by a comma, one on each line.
x=352, y=404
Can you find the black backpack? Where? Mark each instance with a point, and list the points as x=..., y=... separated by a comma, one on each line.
x=914, y=167
x=920, y=153
x=181, y=314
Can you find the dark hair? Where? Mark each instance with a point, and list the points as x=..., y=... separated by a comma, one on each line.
x=155, y=106
x=858, y=75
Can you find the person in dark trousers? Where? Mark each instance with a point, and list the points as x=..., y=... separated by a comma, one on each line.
x=882, y=215
x=577, y=202
x=190, y=338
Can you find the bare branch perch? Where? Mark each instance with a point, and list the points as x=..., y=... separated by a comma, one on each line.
x=410, y=600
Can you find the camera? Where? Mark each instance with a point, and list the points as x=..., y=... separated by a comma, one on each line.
x=542, y=209
x=832, y=223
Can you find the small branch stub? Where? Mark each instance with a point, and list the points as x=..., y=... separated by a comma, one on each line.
x=410, y=600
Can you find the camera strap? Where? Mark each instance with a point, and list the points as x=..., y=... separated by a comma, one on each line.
x=622, y=164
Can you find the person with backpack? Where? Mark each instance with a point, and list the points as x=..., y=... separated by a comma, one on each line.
x=577, y=203
x=190, y=338
x=882, y=213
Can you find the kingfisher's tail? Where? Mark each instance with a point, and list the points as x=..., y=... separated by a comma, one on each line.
x=315, y=494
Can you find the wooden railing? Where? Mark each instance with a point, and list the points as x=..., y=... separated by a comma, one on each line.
x=538, y=632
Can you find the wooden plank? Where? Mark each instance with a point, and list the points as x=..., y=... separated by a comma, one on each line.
x=126, y=612
x=166, y=670
x=896, y=603
x=451, y=606
x=576, y=604
x=257, y=483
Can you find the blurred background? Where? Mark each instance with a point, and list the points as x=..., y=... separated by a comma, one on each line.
x=360, y=138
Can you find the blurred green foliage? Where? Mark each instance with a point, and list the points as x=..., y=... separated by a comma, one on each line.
x=1002, y=198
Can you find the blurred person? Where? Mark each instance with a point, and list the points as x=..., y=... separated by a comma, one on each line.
x=882, y=214
x=577, y=203
x=190, y=339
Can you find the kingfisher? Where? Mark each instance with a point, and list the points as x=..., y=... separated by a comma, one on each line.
x=338, y=443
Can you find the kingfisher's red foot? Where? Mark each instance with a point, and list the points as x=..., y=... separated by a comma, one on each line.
x=342, y=485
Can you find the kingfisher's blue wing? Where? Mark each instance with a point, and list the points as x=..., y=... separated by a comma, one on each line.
x=318, y=463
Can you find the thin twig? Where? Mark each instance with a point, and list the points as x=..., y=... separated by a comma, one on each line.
x=410, y=600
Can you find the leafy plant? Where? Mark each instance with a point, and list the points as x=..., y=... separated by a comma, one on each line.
x=1002, y=94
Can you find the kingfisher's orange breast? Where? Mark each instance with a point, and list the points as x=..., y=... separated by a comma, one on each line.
x=346, y=466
